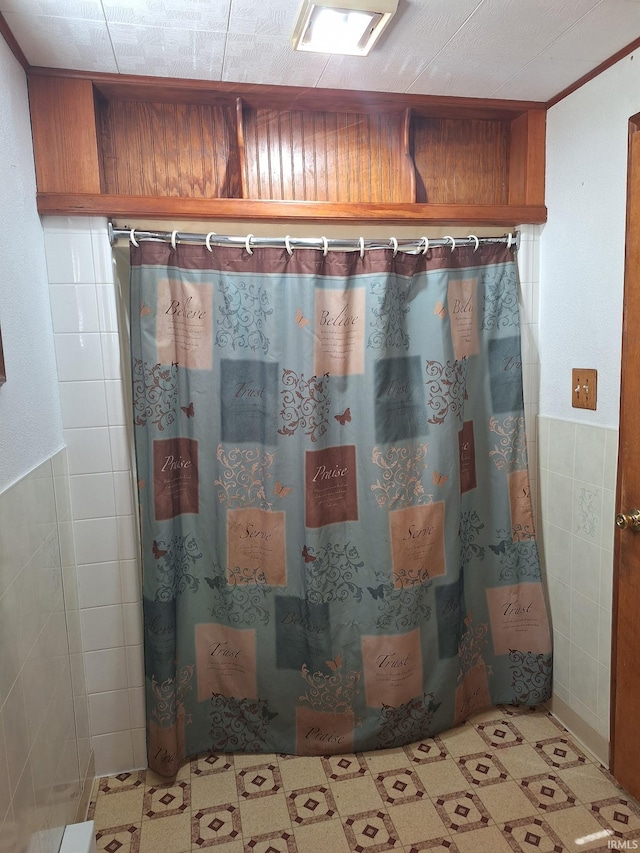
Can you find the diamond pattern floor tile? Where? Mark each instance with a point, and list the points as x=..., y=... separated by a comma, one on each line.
x=214, y=826
x=167, y=800
x=560, y=752
x=119, y=839
x=510, y=780
x=619, y=815
x=426, y=751
x=548, y=792
x=261, y=780
x=499, y=734
x=399, y=787
x=532, y=835
x=462, y=811
x=370, y=831
x=205, y=765
x=482, y=768
x=310, y=805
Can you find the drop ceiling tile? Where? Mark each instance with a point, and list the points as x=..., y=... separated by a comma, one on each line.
x=163, y=52
x=466, y=77
x=471, y=48
x=541, y=79
x=584, y=41
x=173, y=14
x=269, y=18
x=87, y=10
x=502, y=28
x=272, y=61
x=63, y=42
x=406, y=48
x=371, y=73
x=426, y=28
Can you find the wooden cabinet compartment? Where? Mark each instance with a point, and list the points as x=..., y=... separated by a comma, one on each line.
x=461, y=161
x=160, y=149
x=118, y=146
x=326, y=156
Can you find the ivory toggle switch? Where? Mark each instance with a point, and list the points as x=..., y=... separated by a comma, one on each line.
x=585, y=386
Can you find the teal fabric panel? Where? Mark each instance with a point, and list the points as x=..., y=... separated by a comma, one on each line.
x=337, y=535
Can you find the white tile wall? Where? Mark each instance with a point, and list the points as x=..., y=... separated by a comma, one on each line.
x=44, y=744
x=528, y=269
x=577, y=498
x=108, y=629
x=573, y=472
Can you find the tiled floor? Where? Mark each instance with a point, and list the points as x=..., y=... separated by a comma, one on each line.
x=509, y=781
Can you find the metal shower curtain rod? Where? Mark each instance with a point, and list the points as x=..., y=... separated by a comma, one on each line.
x=361, y=244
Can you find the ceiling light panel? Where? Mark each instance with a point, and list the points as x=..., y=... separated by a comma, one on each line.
x=349, y=27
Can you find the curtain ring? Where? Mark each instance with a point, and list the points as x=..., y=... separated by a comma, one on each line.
x=425, y=240
x=247, y=244
x=510, y=240
x=453, y=242
x=325, y=246
x=208, y=240
x=174, y=234
x=361, y=244
x=132, y=237
x=473, y=237
x=287, y=243
x=394, y=243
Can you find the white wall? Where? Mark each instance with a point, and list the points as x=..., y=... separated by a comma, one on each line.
x=30, y=422
x=582, y=244
x=581, y=297
x=44, y=748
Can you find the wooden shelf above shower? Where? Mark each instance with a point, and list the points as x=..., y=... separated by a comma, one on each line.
x=112, y=145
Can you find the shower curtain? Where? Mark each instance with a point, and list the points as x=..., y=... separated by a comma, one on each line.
x=338, y=544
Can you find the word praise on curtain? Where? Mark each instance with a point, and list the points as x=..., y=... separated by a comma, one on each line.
x=338, y=544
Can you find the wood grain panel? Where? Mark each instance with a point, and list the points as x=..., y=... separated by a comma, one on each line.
x=5, y=32
x=462, y=161
x=527, y=158
x=257, y=95
x=174, y=146
x=325, y=156
x=154, y=207
x=65, y=142
x=169, y=149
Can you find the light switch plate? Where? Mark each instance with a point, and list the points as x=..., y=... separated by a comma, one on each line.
x=584, y=393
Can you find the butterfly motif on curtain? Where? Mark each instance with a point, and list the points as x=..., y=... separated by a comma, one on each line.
x=377, y=592
x=145, y=309
x=215, y=583
x=500, y=548
x=440, y=310
x=301, y=320
x=334, y=664
x=158, y=552
x=281, y=491
x=308, y=558
x=188, y=410
x=439, y=479
x=344, y=418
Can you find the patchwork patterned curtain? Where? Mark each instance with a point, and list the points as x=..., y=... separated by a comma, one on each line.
x=338, y=544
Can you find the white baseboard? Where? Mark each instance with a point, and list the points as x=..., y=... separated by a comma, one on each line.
x=589, y=738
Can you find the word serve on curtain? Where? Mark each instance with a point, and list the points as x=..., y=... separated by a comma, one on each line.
x=338, y=544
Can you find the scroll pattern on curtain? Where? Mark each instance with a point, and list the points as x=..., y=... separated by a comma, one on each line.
x=338, y=543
